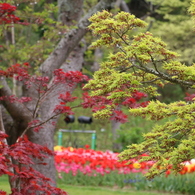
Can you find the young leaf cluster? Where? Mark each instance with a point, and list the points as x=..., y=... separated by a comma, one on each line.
x=170, y=144
x=136, y=61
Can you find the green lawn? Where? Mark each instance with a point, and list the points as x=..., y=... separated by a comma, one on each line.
x=4, y=185
x=89, y=190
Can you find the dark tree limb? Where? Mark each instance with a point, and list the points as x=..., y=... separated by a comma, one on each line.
x=15, y=109
x=71, y=39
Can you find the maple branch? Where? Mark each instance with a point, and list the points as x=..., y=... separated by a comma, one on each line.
x=163, y=75
x=43, y=122
x=151, y=81
x=37, y=106
x=154, y=63
x=71, y=39
x=121, y=36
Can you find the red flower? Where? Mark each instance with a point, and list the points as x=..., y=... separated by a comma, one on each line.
x=184, y=170
x=167, y=173
x=6, y=14
x=87, y=146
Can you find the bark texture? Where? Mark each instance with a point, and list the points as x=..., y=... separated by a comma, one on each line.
x=98, y=54
x=71, y=39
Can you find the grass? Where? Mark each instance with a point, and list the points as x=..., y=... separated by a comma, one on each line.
x=4, y=185
x=88, y=190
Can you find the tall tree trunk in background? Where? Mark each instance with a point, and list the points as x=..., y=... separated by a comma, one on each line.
x=68, y=46
x=115, y=126
x=69, y=14
x=98, y=54
x=70, y=11
x=124, y=7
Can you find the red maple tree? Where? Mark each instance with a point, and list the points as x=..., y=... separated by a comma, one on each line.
x=16, y=160
x=7, y=14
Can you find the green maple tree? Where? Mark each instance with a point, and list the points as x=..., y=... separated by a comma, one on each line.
x=143, y=63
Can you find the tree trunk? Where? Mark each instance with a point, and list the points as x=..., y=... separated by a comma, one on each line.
x=71, y=39
x=116, y=147
x=97, y=59
x=70, y=11
x=45, y=137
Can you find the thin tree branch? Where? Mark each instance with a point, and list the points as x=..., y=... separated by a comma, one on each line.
x=151, y=81
x=163, y=75
x=154, y=63
x=43, y=122
x=15, y=109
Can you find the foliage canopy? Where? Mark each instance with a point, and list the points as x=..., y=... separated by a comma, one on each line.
x=142, y=63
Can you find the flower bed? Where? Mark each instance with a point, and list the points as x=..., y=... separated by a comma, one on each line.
x=89, y=167
x=91, y=162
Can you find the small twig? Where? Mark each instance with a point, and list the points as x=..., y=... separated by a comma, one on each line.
x=162, y=75
x=151, y=81
x=24, y=132
x=153, y=62
x=121, y=38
